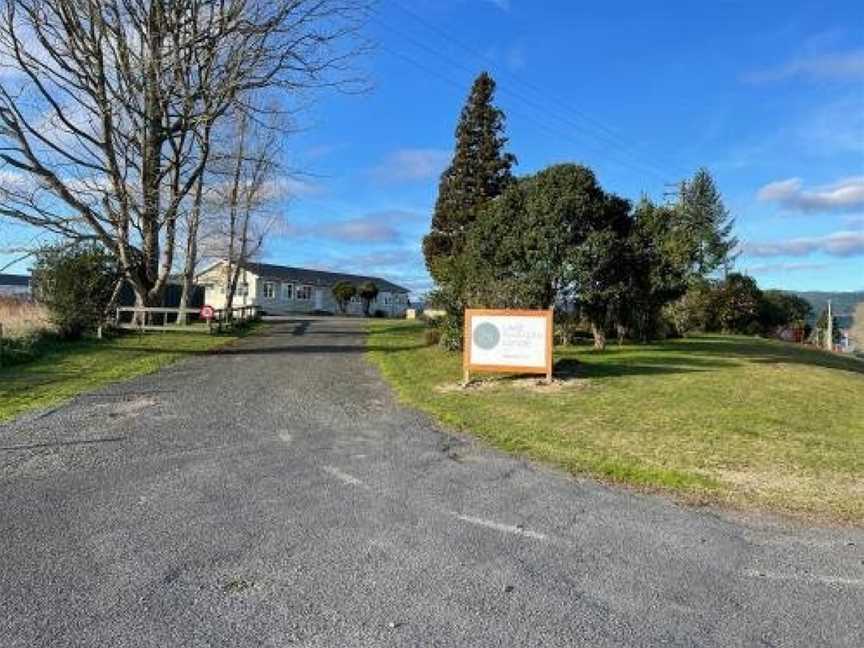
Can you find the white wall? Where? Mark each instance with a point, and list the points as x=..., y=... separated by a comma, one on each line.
x=15, y=291
x=288, y=302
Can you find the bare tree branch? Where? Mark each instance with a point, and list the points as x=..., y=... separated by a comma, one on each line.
x=107, y=107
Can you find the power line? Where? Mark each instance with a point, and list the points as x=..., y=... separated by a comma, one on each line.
x=601, y=130
x=551, y=130
x=633, y=165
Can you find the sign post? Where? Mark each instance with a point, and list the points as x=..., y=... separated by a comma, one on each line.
x=508, y=341
x=207, y=313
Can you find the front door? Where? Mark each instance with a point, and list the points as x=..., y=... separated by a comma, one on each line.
x=319, y=299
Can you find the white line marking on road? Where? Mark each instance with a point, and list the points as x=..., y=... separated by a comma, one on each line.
x=342, y=476
x=807, y=578
x=286, y=438
x=506, y=528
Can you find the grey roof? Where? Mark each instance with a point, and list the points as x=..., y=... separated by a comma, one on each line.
x=318, y=277
x=14, y=280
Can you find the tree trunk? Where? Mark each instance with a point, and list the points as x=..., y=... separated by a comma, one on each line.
x=191, y=252
x=599, y=337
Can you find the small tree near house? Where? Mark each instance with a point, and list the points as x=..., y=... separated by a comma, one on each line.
x=344, y=292
x=76, y=283
x=368, y=291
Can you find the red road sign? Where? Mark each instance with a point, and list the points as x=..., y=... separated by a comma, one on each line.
x=207, y=312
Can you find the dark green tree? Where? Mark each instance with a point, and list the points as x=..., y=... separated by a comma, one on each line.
x=658, y=265
x=367, y=292
x=76, y=282
x=707, y=225
x=554, y=236
x=695, y=309
x=343, y=292
x=516, y=253
x=779, y=308
x=600, y=269
x=736, y=304
x=479, y=171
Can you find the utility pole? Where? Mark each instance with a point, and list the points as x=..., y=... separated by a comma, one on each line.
x=829, y=330
x=673, y=190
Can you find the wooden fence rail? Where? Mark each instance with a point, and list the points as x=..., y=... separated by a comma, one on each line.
x=152, y=318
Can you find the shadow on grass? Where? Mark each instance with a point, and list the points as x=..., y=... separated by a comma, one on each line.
x=316, y=348
x=572, y=368
x=705, y=353
x=763, y=352
x=395, y=328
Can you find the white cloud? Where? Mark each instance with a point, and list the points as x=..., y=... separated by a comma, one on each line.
x=410, y=165
x=298, y=187
x=838, y=65
x=401, y=265
x=377, y=227
x=838, y=244
x=769, y=268
x=842, y=195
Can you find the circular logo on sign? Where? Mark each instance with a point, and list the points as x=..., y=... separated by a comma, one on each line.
x=207, y=312
x=487, y=336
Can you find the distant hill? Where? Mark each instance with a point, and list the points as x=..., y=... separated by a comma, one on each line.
x=842, y=303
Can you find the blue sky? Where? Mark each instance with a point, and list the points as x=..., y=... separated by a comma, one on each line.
x=768, y=95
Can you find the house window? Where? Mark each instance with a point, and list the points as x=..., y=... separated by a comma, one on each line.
x=386, y=300
x=269, y=290
x=242, y=289
x=287, y=291
x=304, y=293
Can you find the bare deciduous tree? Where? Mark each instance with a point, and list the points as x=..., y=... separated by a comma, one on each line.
x=107, y=106
x=250, y=185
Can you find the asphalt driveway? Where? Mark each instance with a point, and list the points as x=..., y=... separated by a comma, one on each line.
x=275, y=494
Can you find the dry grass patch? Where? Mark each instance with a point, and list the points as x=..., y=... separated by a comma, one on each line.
x=23, y=317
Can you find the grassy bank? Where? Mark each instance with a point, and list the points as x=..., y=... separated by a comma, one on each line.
x=65, y=369
x=734, y=420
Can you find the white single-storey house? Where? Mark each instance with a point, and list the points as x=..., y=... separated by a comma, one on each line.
x=14, y=285
x=281, y=289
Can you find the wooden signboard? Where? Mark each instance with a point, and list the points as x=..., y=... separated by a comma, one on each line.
x=508, y=341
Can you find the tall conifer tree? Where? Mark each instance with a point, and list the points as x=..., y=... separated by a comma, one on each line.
x=708, y=224
x=480, y=171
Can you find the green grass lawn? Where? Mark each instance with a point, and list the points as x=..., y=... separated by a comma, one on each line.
x=733, y=420
x=66, y=369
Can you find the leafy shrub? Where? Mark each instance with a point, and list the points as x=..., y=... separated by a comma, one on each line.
x=367, y=292
x=450, y=329
x=379, y=313
x=22, y=349
x=432, y=336
x=75, y=282
x=343, y=293
x=568, y=328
